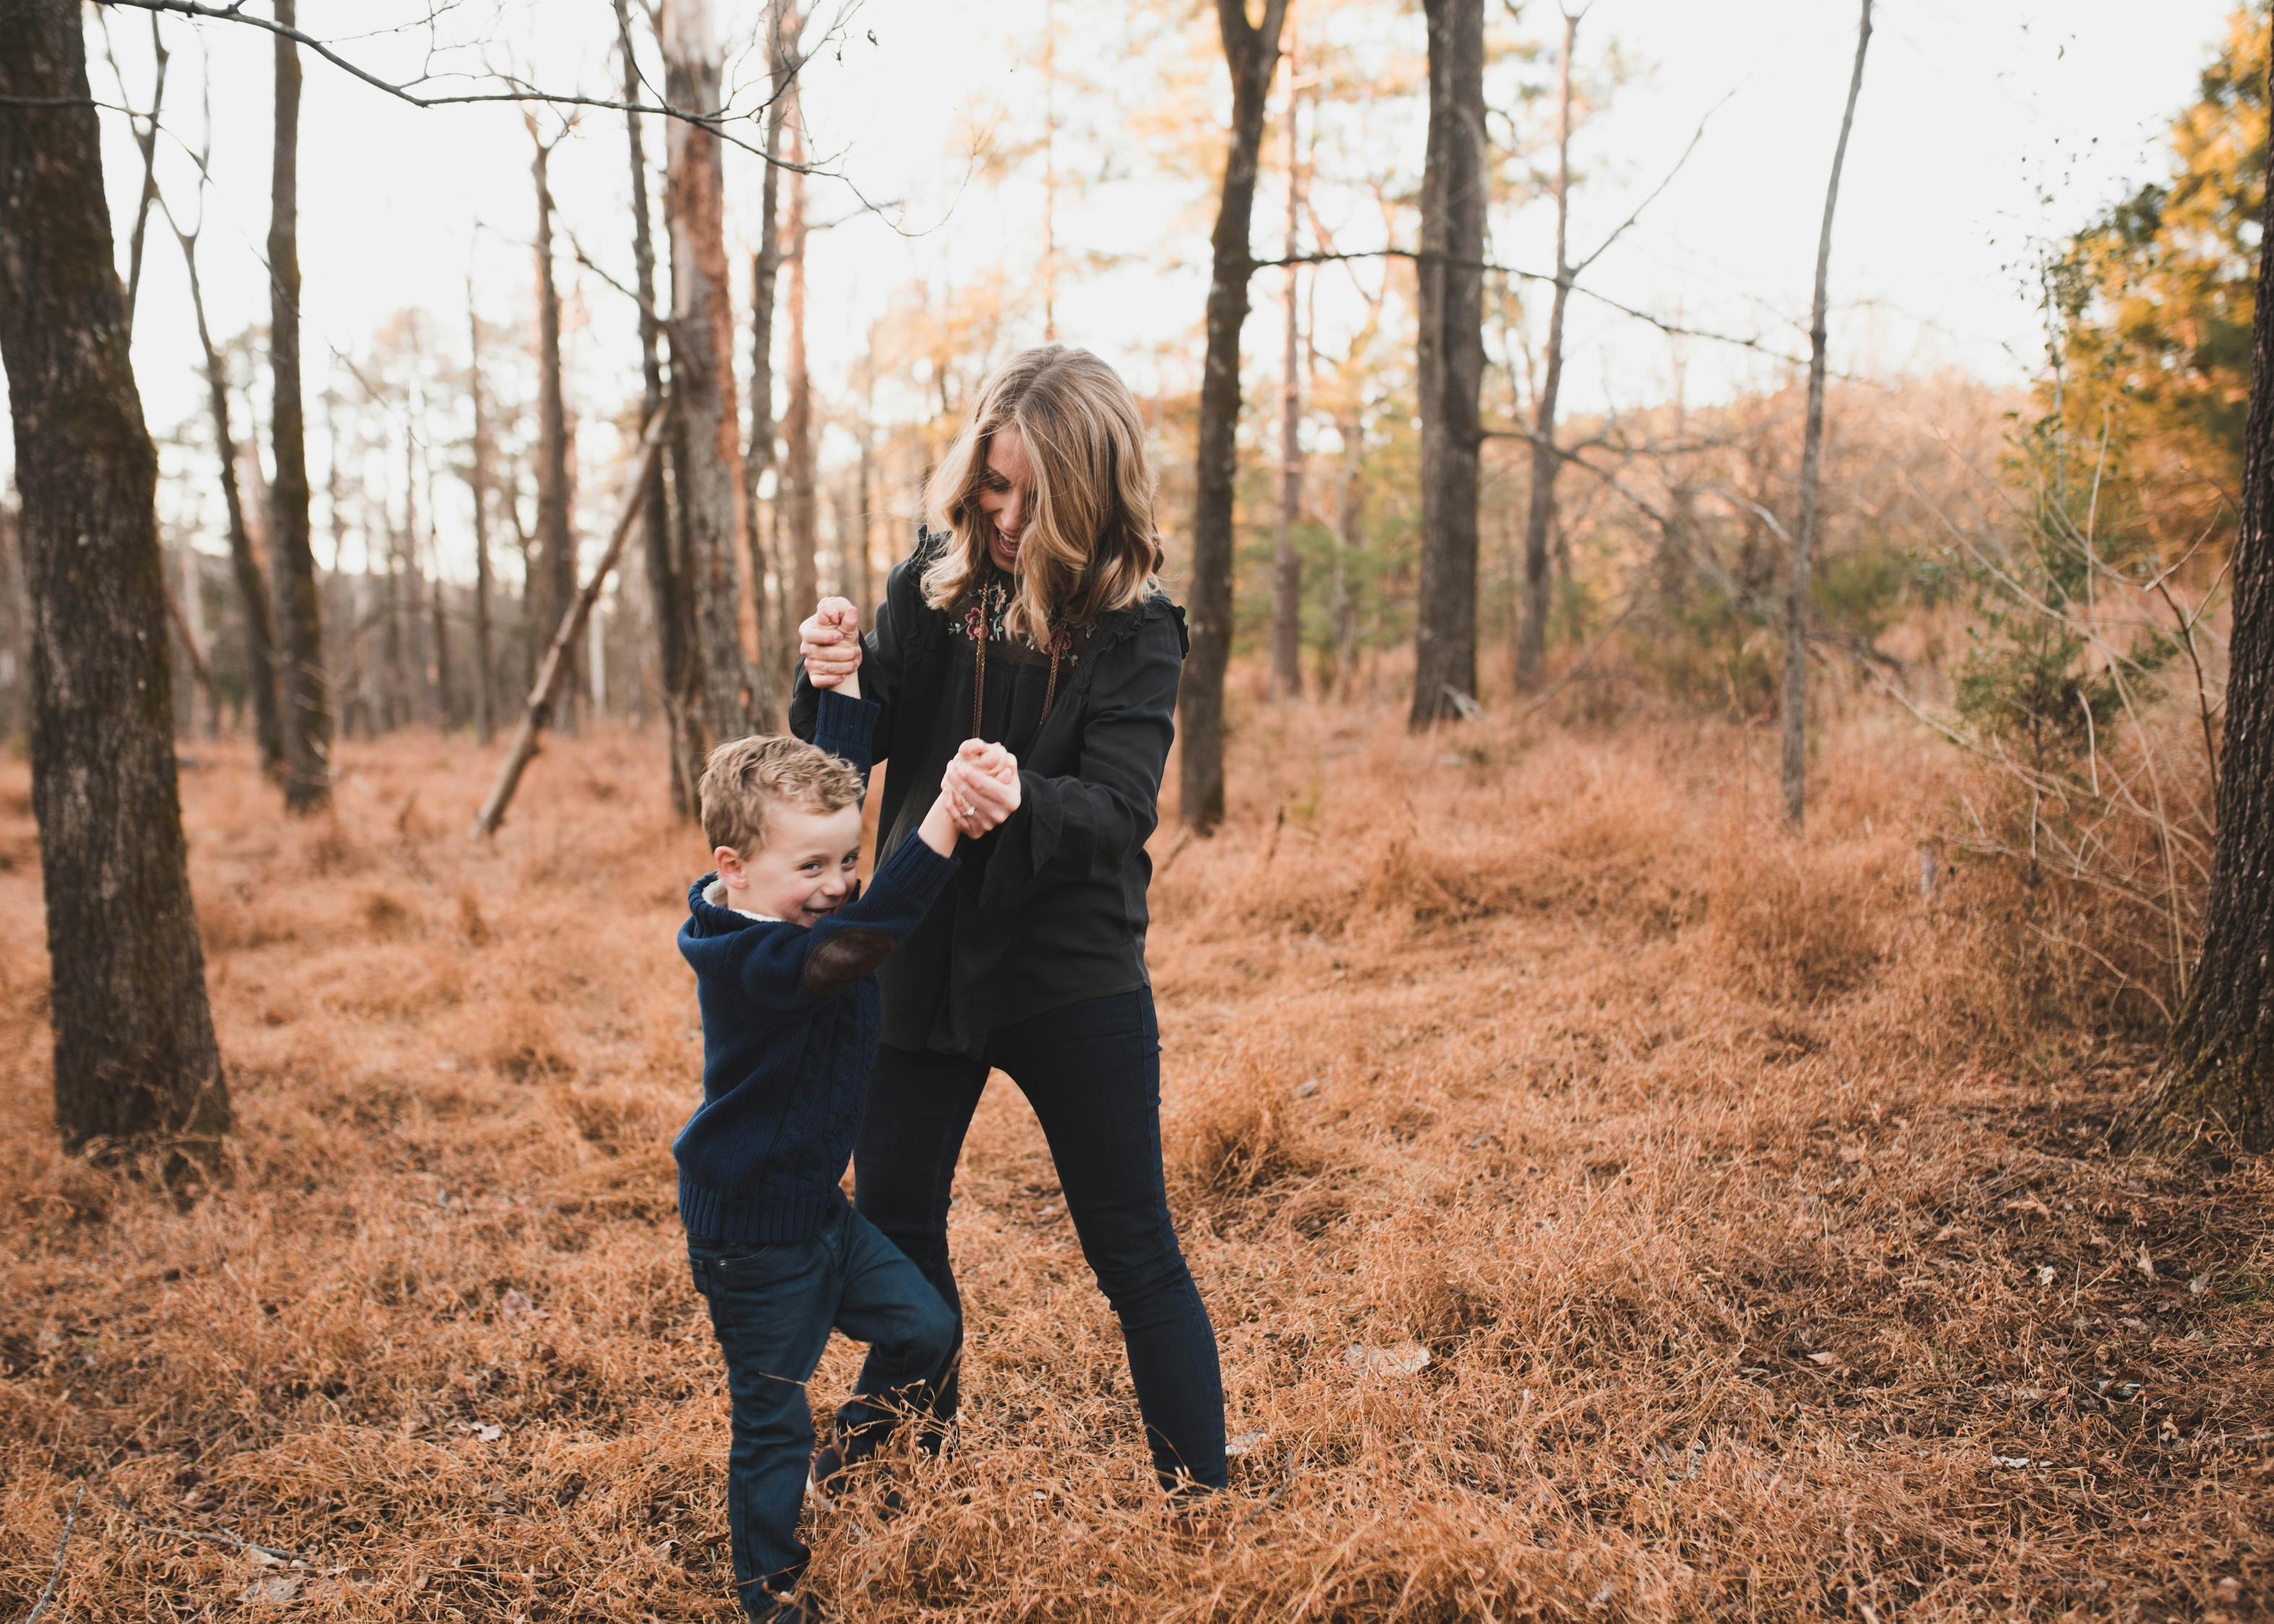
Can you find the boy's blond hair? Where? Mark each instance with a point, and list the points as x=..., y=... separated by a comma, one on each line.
x=744, y=777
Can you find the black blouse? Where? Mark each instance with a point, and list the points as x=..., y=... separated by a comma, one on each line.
x=1050, y=908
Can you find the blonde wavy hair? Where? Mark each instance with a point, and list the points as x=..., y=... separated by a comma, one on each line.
x=1091, y=545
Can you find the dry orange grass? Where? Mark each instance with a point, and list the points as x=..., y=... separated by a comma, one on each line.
x=1767, y=1268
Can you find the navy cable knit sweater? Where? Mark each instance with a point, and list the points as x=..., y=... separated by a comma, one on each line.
x=790, y=1027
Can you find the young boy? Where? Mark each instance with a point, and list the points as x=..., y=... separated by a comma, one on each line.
x=784, y=946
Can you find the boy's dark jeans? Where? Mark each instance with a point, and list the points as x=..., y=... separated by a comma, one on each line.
x=772, y=1308
x=1092, y=1072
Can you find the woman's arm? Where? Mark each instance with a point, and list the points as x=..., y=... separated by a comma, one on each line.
x=1088, y=824
x=881, y=649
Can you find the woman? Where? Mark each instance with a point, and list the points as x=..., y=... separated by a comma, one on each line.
x=1031, y=615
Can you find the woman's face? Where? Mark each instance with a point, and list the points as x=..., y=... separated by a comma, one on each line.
x=1006, y=494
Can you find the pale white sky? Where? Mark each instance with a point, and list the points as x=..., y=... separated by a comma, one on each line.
x=1985, y=126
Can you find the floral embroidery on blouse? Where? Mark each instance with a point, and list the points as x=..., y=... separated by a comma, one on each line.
x=983, y=615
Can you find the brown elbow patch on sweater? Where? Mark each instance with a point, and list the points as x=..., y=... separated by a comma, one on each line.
x=849, y=955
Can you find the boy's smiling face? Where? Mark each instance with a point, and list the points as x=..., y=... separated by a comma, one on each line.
x=804, y=872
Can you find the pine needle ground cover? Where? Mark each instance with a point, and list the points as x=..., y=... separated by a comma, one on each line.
x=1609, y=1210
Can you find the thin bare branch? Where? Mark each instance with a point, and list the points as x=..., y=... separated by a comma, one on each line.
x=1672, y=328
x=1696, y=136
x=55, y=1575
x=716, y=121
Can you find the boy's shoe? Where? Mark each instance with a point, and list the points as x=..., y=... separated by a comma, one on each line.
x=788, y=1610
x=830, y=1474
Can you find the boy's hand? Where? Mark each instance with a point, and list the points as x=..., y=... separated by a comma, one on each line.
x=829, y=642
x=982, y=785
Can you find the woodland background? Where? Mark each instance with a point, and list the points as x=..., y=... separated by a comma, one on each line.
x=1615, y=1201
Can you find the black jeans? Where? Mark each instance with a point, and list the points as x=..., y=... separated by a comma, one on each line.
x=1092, y=1072
x=772, y=1308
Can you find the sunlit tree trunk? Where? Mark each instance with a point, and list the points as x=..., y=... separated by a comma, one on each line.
x=1287, y=562
x=770, y=604
x=244, y=568
x=667, y=583
x=134, y=1053
x=1250, y=53
x=703, y=367
x=1812, y=448
x=478, y=487
x=306, y=709
x=800, y=506
x=190, y=600
x=438, y=593
x=556, y=545
x=419, y=697
x=1449, y=360
x=1539, y=513
x=863, y=592
x=15, y=636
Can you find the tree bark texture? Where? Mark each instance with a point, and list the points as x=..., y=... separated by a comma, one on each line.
x=553, y=670
x=556, y=541
x=703, y=366
x=1251, y=52
x=135, y=1058
x=308, y=712
x=478, y=487
x=15, y=633
x=799, y=510
x=770, y=592
x=1287, y=562
x=2215, y=1084
x=447, y=711
x=666, y=586
x=1812, y=450
x=244, y=568
x=1540, y=510
x=1449, y=360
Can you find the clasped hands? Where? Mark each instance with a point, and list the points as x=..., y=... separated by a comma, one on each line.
x=980, y=786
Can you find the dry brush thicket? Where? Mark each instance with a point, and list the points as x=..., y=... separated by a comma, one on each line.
x=1767, y=1259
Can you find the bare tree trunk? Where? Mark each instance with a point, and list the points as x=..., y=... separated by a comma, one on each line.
x=418, y=698
x=188, y=605
x=667, y=583
x=438, y=592
x=1450, y=361
x=524, y=544
x=307, y=714
x=2215, y=1088
x=1287, y=562
x=556, y=542
x=1811, y=446
x=552, y=671
x=1540, y=516
x=1349, y=538
x=702, y=369
x=348, y=592
x=800, y=508
x=770, y=593
x=15, y=633
x=1250, y=53
x=477, y=484
x=864, y=550
x=135, y=1058
x=146, y=138
x=251, y=590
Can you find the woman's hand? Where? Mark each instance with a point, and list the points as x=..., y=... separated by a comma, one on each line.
x=829, y=642
x=982, y=787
